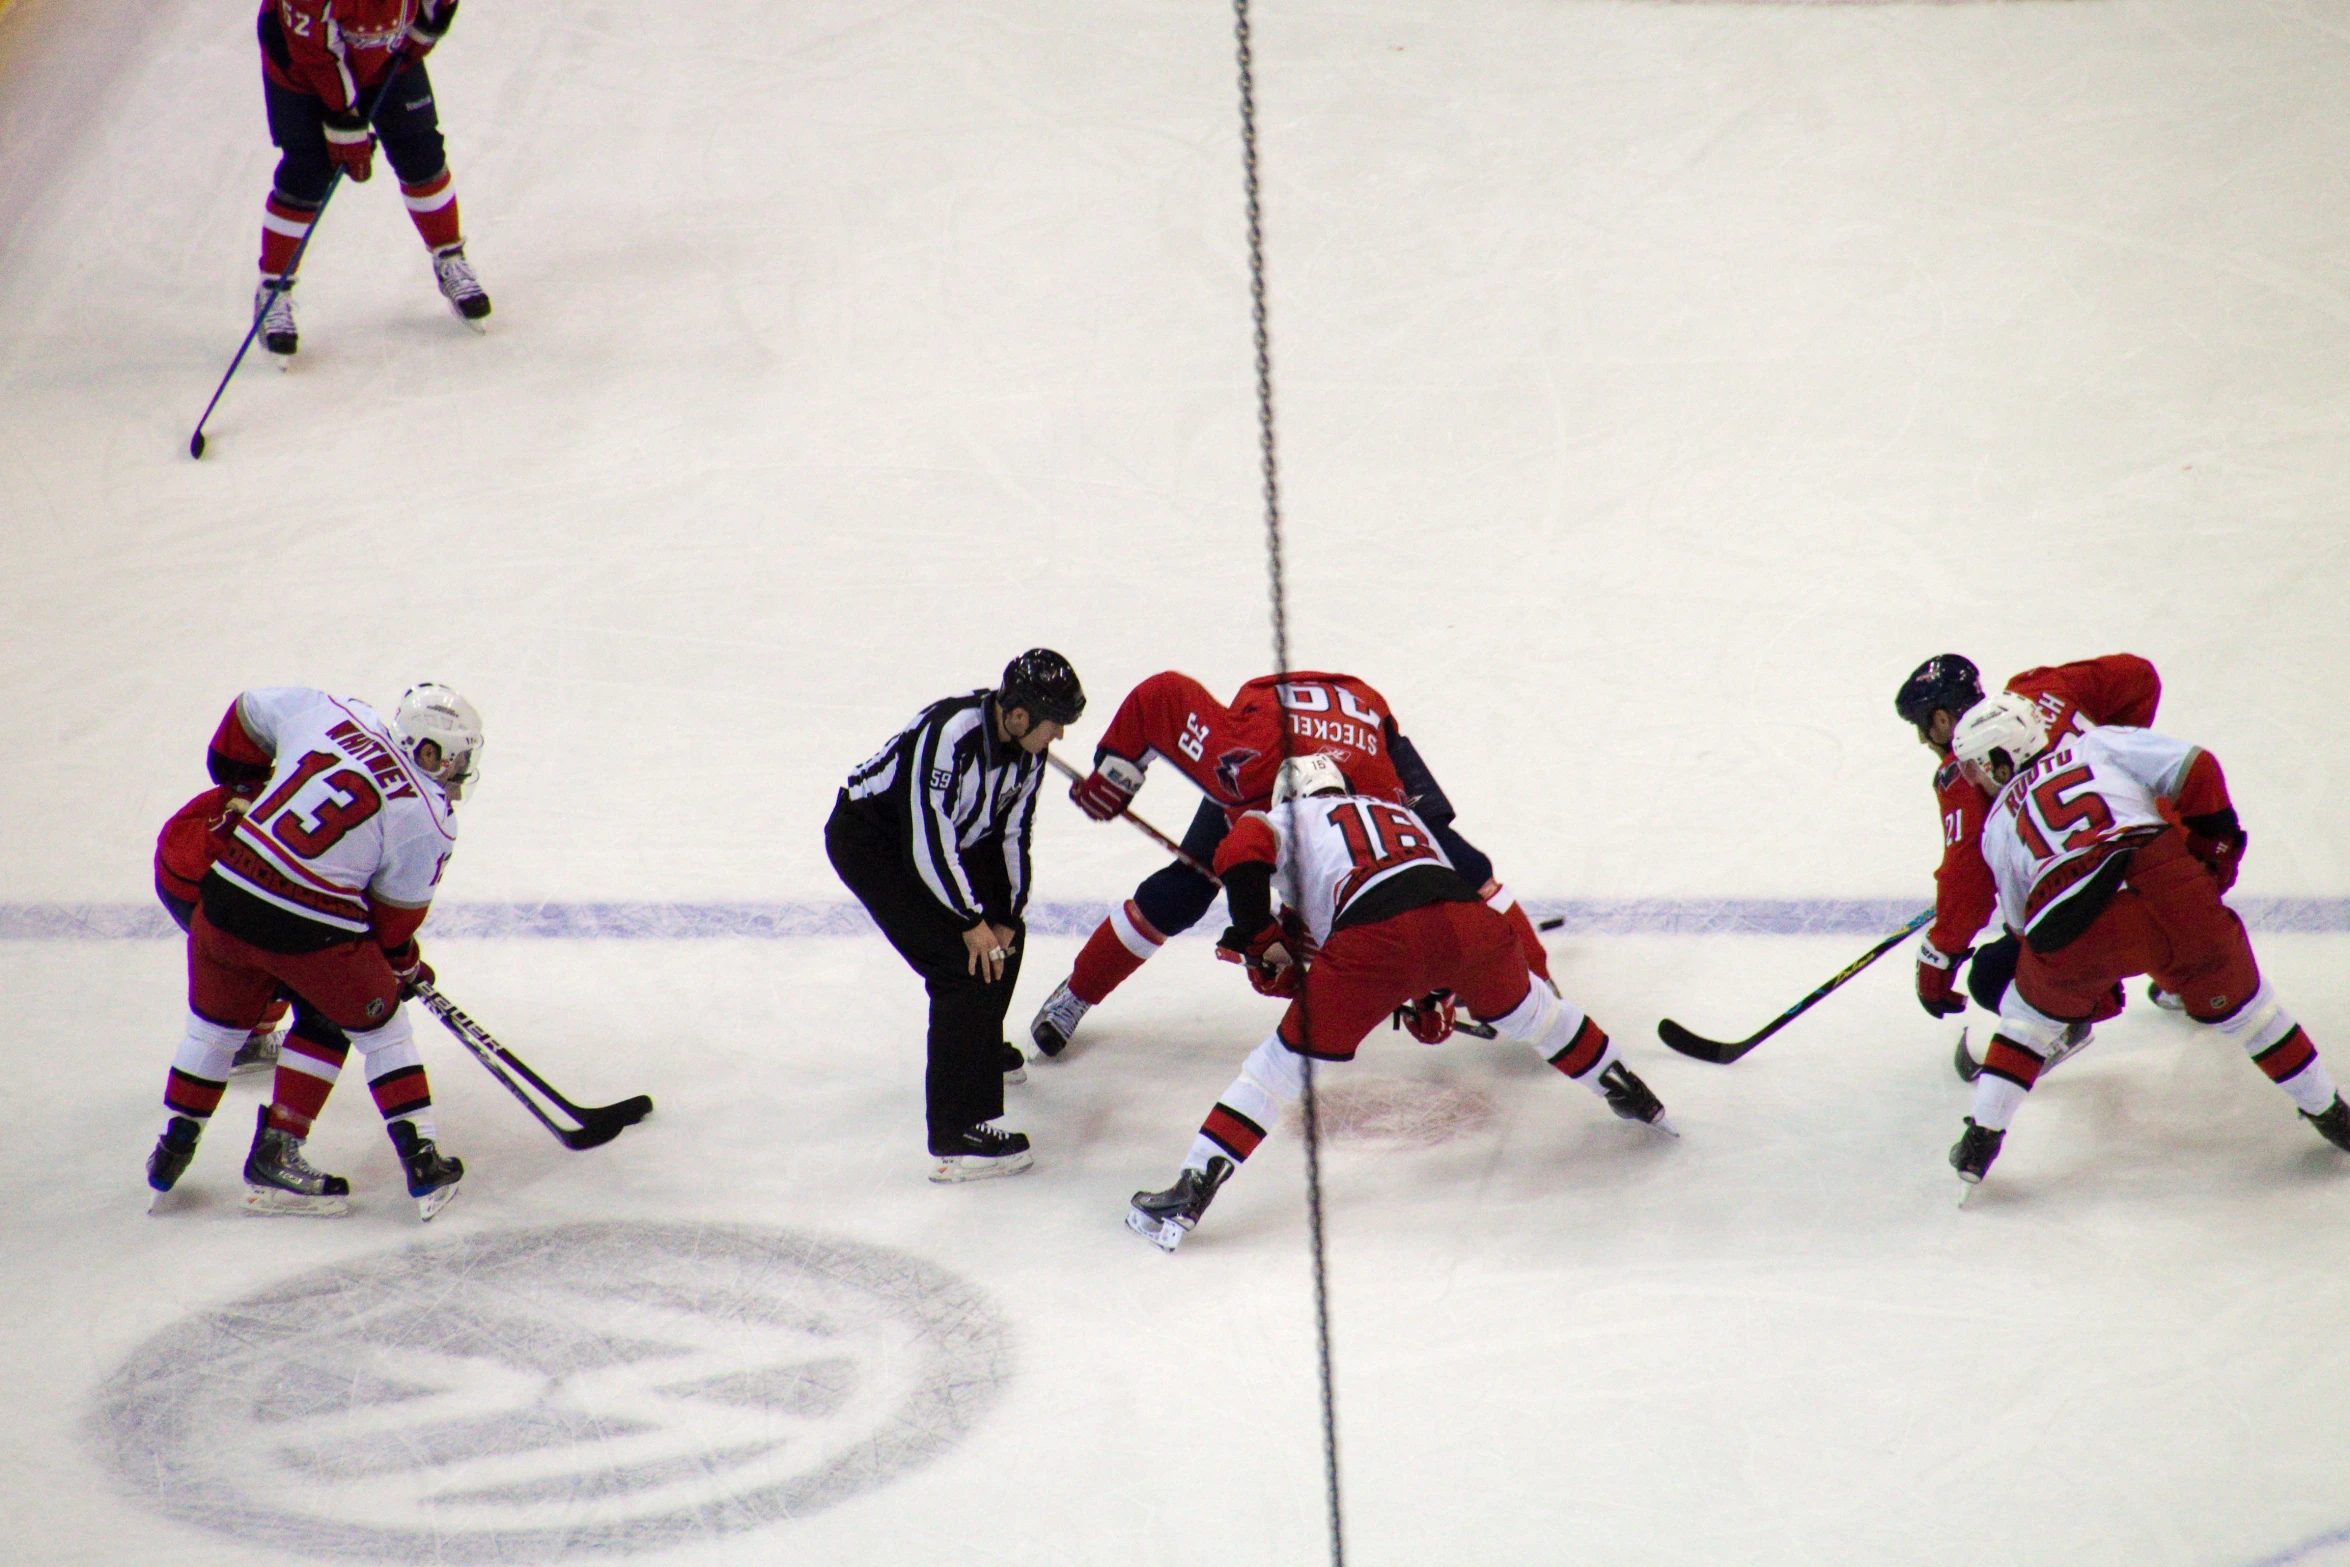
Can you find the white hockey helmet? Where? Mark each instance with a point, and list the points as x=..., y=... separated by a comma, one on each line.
x=433, y=712
x=2004, y=727
x=1303, y=776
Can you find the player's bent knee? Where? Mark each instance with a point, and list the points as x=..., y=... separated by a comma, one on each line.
x=1175, y=899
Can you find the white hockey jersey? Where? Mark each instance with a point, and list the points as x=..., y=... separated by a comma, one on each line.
x=1332, y=849
x=346, y=818
x=2056, y=819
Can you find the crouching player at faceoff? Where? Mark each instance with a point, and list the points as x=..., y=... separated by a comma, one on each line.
x=1231, y=754
x=2119, y=688
x=1390, y=924
x=2099, y=886
x=318, y=888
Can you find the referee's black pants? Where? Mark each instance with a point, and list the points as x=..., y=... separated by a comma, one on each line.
x=964, y=1084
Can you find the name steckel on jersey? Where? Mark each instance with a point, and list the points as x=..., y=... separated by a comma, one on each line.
x=345, y=821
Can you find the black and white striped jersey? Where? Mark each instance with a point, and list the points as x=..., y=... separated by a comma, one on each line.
x=946, y=786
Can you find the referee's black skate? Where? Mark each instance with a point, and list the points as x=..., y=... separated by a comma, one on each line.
x=432, y=1180
x=1164, y=1218
x=176, y=1149
x=1015, y=1064
x=1632, y=1099
x=279, y=1180
x=1972, y=1154
x=978, y=1153
x=2332, y=1123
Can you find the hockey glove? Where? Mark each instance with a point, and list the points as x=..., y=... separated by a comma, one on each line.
x=409, y=968
x=2218, y=842
x=1429, y=1019
x=1937, y=973
x=1104, y=792
x=429, y=28
x=1266, y=957
x=351, y=144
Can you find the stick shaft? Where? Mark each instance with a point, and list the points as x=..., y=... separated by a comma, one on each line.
x=1148, y=831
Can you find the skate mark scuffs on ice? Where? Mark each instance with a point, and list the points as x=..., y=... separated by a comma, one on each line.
x=554, y=1393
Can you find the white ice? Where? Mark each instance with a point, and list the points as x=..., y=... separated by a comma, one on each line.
x=1657, y=383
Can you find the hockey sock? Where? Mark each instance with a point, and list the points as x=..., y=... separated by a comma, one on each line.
x=395, y=1074
x=2281, y=1048
x=1562, y=1034
x=1503, y=902
x=306, y=1073
x=199, y=1069
x=432, y=207
x=1118, y=946
x=1272, y=1076
x=283, y=224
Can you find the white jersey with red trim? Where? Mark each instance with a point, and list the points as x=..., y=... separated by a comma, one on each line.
x=346, y=818
x=2076, y=798
x=1333, y=848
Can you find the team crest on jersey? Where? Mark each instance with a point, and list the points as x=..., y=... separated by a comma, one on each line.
x=1228, y=768
x=375, y=1008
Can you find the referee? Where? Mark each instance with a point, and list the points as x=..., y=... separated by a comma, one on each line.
x=932, y=837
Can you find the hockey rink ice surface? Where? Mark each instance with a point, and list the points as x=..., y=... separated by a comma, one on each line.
x=1658, y=383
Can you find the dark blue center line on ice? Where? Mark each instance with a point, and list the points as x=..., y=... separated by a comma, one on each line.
x=794, y=919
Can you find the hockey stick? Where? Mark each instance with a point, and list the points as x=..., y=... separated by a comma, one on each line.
x=279, y=284
x=598, y=1124
x=1723, y=1054
x=1156, y=836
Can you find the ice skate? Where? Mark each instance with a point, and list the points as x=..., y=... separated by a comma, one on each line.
x=1056, y=1021
x=460, y=287
x=432, y=1180
x=176, y=1148
x=275, y=308
x=1015, y=1064
x=2075, y=1039
x=1964, y=1062
x=257, y=1054
x=278, y=1180
x=979, y=1153
x=2332, y=1123
x=2168, y=1000
x=1632, y=1099
x=1972, y=1154
x=1164, y=1218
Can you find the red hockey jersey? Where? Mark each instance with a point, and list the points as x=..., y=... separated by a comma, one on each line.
x=1232, y=752
x=336, y=50
x=2120, y=688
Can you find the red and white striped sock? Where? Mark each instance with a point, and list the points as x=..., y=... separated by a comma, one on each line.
x=306, y=1074
x=1118, y=946
x=283, y=224
x=432, y=207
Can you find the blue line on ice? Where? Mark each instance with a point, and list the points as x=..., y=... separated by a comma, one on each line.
x=799, y=918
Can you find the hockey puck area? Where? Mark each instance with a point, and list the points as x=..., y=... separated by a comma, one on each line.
x=1387, y=1109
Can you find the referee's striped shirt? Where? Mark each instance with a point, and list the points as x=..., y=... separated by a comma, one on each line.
x=947, y=785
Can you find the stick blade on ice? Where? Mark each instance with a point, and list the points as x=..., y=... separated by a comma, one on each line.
x=1703, y=1049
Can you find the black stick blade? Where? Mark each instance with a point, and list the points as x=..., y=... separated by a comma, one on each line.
x=598, y=1127
x=196, y=444
x=1703, y=1049
x=627, y=1112
x=593, y=1135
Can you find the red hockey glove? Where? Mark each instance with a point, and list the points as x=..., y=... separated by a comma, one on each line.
x=351, y=144
x=1937, y=971
x=2218, y=842
x=1104, y=792
x=409, y=967
x=429, y=28
x=1429, y=1019
x=1266, y=956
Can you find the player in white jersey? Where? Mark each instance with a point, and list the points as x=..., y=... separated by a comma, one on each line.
x=1381, y=922
x=2111, y=849
x=319, y=888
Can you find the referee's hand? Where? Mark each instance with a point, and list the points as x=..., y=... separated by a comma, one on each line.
x=986, y=948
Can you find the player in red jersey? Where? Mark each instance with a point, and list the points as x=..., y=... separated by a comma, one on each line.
x=183, y=853
x=2119, y=688
x=1390, y=925
x=2109, y=850
x=322, y=65
x=1232, y=754
x=318, y=889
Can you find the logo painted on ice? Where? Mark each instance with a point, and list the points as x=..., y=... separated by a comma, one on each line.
x=549, y=1394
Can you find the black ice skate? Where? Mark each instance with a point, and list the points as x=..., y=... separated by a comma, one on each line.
x=275, y=307
x=1015, y=1064
x=2072, y=1042
x=1963, y=1061
x=2168, y=1000
x=278, y=1180
x=432, y=1180
x=1972, y=1154
x=2332, y=1123
x=1056, y=1021
x=1632, y=1099
x=257, y=1054
x=460, y=287
x=978, y=1153
x=1164, y=1218
x=177, y=1147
